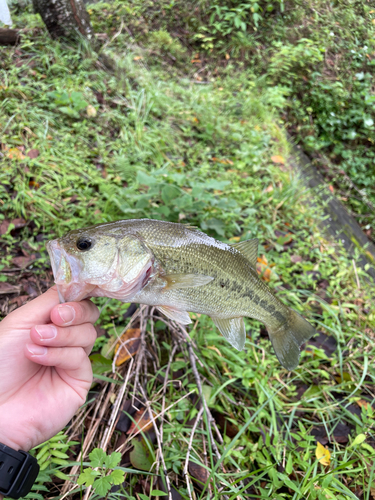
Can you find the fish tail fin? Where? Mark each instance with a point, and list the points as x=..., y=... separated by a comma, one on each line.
x=288, y=338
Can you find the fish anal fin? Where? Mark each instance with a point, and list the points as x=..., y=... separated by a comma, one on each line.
x=177, y=315
x=249, y=249
x=288, y=338
x=177, y=281
x=233, y=329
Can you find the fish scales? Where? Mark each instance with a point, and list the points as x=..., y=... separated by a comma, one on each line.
x=227, y=294
x=178, y=269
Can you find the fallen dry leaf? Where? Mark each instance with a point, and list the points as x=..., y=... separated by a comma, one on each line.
x=127, y=345
x=263, y=260
x=33, y=153
x=18, y=223
x=278, y=159
x=4, y=227
x=15, y=154
x=269, y=189
x=225, y=161
x=6, y=288
x=362, y=403
x=20, y=301
x=199, y=473
x=295, y=258
x=264, y=268
x=142, y=421
x=23, y=261
x=91, y=111
x=322, y=454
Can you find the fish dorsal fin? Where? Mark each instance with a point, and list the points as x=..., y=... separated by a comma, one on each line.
x=177, y=281
x=233, y=329
x=189, y=226
x=175, y=314
x=249, y=249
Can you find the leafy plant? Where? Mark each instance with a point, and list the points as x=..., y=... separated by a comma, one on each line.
x=163, y=41
x=54, y=452
x=50, y=454
x=69, y=103
x=102, y=473
x=290, y=61
x=227, y=19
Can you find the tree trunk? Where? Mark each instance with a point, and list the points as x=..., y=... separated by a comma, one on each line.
x=9, y=37
x=65, y=18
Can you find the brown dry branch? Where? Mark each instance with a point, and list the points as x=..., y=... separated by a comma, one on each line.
x=95, y=427
x=100, y=415
x=190, y=446
x=137, y=313
x=115, y=411
x=161, y=455
x=142, y=429
x=205, y=455
x=153, y=333
x=141, y=350
x=210, y=419
x=91, y=433
x=198, y=381
x=163, y=395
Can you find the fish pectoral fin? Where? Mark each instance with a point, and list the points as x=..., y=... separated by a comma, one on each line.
x=233, y=329
x=288, y=337
x=249, y=249
x=177, y=281
x=175, y=314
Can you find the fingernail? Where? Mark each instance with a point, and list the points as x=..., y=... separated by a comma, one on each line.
x=36, y=350
x=46, y=332
x=67, y=313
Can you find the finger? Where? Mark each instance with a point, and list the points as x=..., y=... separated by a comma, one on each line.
x=36, y=311
x=70, y=336
x=73, y=360
x=74, y=313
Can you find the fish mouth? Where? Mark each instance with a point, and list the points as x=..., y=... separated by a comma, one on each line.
x=66, y=269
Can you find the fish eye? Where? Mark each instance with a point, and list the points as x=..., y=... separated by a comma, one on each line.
x=84, y=244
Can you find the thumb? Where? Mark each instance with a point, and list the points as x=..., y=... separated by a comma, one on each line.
x=36, y=311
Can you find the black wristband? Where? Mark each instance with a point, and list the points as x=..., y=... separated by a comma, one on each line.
x=18, y=471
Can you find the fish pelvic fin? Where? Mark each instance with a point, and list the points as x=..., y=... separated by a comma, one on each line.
x=288, y=338
x=233, y=329
x=249, y=249
x=177, y=315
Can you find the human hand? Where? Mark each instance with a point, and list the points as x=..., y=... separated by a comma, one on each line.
x=43, y=381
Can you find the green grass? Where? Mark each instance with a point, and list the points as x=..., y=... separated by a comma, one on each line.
x=319, y=55
x=172, y=149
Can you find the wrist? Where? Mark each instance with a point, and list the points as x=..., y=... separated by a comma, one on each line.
x=13, y=443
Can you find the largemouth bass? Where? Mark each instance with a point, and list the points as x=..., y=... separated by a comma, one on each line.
x=176, y=268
